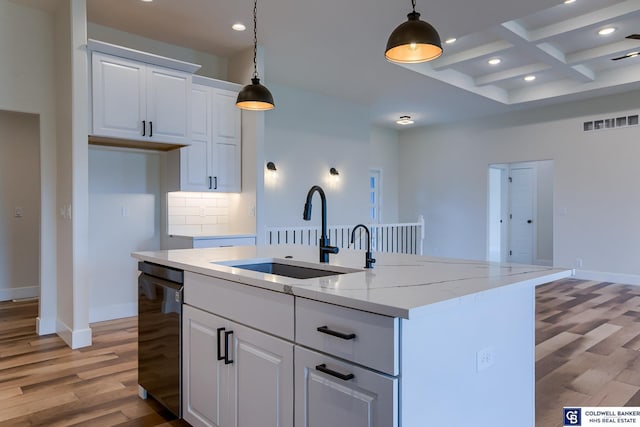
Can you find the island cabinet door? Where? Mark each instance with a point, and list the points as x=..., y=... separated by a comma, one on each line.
x=261, y=379
x=204, y=377
x=339, y=394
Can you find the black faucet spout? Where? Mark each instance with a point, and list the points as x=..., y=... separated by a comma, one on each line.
x=369, y=260
x=325, y=248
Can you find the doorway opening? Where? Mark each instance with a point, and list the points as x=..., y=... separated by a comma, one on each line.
x=520, y=212
x=21, y=206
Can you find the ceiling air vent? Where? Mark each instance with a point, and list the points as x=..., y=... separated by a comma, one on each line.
x=611, y=123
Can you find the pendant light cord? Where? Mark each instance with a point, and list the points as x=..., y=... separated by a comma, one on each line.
x=413, y=3
x=255, y=38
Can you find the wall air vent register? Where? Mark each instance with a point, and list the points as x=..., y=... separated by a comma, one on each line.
x=611, y=123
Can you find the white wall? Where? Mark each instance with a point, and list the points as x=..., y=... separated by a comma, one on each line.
x=384, y=153
x=212, y=66
x=443, y=176
x=27, y=82
x=305, y=136
x=544, y=214
x=124, y=216
x=71, y=72
x=19, y=188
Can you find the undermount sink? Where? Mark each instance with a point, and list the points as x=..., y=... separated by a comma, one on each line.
x=288, y=268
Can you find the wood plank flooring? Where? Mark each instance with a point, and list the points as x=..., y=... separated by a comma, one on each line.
x=587, y=347
x=44, y=383
x=587, y=354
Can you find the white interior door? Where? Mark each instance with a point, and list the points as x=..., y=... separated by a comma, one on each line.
x=522, y=191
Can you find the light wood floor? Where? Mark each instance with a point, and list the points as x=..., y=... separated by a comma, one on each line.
x=587, y=342
x=587, y=354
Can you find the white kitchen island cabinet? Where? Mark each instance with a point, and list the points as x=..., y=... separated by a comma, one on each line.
x=414, y=342
x=234, y=375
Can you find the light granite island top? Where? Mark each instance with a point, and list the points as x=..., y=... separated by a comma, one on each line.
x=399, y=285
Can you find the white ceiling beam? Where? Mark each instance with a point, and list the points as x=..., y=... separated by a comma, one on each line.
x=488, y=49
x=606, y=51
x=511, y=73
x=515, y=34
x=629, y=8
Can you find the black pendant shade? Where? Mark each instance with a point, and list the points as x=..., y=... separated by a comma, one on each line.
x=413, y=41
x=255, y=97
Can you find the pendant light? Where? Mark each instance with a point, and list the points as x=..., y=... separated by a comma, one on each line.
x=255, y=96
x=413, y=41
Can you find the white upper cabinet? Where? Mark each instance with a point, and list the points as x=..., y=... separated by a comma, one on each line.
x=212, y=162
x=137, y=100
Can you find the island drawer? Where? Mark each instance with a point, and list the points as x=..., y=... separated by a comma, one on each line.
x=365, y=338
x=265, y=310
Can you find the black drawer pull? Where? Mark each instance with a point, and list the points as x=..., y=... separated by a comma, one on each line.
x=326, y=330
x=343, y=377
x=227, y=360
x=150, y=129
x=220, y=356
x=210, y=183
x=144, y=127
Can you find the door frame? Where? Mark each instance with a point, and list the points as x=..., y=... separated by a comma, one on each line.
x=505, y=199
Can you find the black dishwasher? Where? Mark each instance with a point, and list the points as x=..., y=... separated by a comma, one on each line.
x=159, y=334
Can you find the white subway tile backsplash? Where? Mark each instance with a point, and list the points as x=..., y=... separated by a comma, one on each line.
x=197, y=213
x=187, y=230
x=178, y=210
x=177, y=219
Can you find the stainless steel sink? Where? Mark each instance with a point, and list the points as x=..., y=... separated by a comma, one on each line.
x=288, y=268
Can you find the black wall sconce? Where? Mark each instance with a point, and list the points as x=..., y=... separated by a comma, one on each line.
x=271, y=166
x=334, y=172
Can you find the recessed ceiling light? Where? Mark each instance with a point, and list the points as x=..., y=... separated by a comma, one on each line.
x=529, y=78
x=450, y=40
x=494, y=61
x=147, y=1
x=405, y=120
x=569, y=1
x=238, y=26
x=606, y=31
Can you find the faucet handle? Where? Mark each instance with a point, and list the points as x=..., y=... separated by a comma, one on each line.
x=369, y=260
x=330, y=249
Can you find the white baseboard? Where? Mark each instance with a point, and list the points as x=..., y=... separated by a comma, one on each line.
x=624, y=279
x=45, y=326
x=111, y=312
x=8, y=294
x=74, y=338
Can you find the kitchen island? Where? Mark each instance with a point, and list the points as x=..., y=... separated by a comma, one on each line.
x=415, y=341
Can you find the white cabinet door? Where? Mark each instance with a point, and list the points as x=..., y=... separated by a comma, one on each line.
x=339, y=394
x=226, y=141
x=261, y=379
x=204, y=377
x=195, y=160
x=133, y=100
x=119, y=97
x=168, y=106
x=213, y=160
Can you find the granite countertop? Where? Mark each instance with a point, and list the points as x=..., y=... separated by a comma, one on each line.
x=399, y=285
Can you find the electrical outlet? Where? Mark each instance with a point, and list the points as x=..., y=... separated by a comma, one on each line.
x=18, y=212
x=252, y=211
x=485, y=358
x=578, y=262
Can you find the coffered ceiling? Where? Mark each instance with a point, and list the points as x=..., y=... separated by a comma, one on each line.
x=336, y=48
